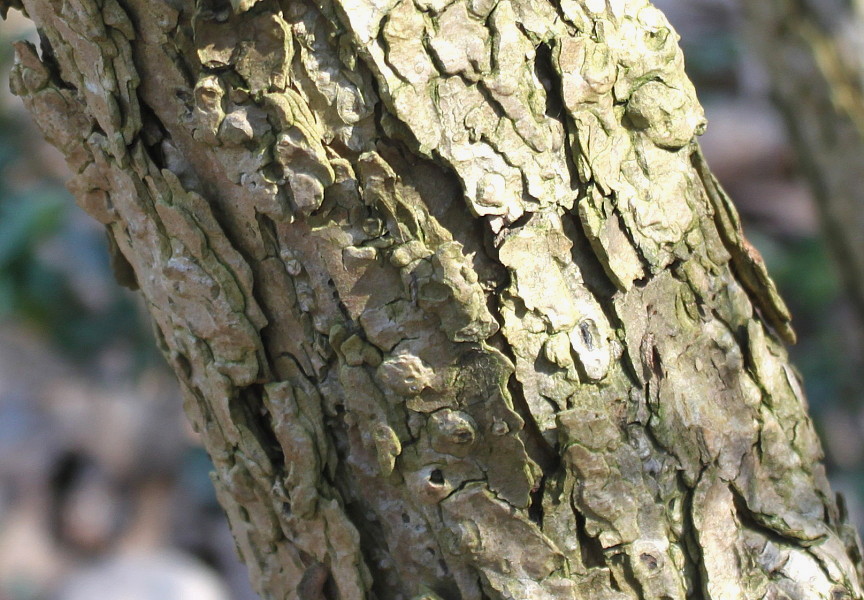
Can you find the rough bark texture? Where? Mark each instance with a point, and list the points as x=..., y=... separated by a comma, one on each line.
x=815, y=56
x=458, y=308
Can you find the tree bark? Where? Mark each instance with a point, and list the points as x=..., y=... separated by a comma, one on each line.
x=458, y=308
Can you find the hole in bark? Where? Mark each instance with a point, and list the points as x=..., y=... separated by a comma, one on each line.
x=184, y=365
x=273, y=172
x=405, y=518
x=434, y=292
x=545, y=73
x=656, y=362
x=649, y=561
x=184, y=96
x=585, y=331
x=436, y=477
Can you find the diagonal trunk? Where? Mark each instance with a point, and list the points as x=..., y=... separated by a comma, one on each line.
x=457, y=306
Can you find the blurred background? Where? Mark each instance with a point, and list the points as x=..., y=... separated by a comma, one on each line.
x=102, y=482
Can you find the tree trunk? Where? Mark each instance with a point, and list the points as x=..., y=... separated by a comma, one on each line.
x=458, y=309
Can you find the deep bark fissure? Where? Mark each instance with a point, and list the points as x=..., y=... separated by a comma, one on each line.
x=696, y=572
x=592, y=552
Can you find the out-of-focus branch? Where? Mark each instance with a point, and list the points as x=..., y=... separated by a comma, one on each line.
x=815, y=60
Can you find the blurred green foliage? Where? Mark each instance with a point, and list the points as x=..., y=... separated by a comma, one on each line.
x=808, y=281
x=38, y=292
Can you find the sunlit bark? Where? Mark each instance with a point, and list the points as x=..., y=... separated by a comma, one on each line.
x=457, y=307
